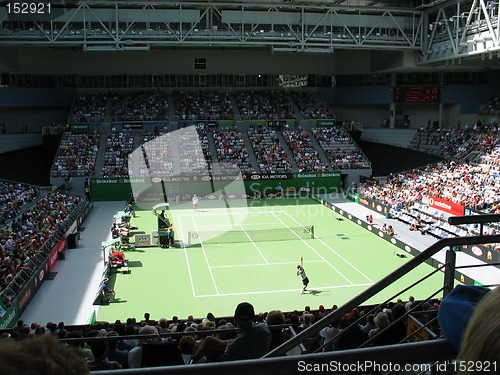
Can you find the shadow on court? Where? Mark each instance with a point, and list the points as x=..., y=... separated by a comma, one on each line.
x=135, y=263
x=314, y=292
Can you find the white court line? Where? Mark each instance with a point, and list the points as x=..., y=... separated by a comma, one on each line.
x=265, y=264
x=309, y=246
x=254, y=244
x=340, y=256
x=229, y=213
x=225, y=225
x=206, y=258
x=187, y=260
x=283, y=290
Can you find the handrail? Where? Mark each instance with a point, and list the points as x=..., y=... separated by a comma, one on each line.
x=376, y=288
x=412, y=353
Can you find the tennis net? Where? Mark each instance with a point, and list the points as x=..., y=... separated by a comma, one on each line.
x=256, y=235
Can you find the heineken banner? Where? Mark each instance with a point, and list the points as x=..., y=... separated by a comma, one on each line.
x=326, y=122
x=78, y=126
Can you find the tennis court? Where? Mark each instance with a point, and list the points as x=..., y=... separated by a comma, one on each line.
x=251, y=254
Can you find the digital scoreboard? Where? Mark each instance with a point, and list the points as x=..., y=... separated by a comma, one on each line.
x=417, y=94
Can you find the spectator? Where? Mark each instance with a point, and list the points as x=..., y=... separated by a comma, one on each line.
x=39, y=355
x=276, y=317
x=114, y=353
x=101, y=362
x=187, y=346
x=135, y=355
x=252, y=340
x=78, y=346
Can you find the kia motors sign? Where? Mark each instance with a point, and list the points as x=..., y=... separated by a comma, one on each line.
x=446, y=206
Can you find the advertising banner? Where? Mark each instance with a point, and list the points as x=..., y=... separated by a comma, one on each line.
x=446, y=206
x=9, y=319
x=61, y=246
x=143, y=240
x=326, y=122
x=133, y=125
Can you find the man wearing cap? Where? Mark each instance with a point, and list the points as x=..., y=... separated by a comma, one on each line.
x=252, y=340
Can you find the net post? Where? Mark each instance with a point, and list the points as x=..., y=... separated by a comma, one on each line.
x=312, y=231
x=189, y=238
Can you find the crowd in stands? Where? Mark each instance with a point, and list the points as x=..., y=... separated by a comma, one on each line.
x=192, y=158
x=203, y=105
x=264, y=105
x=77, y=154
x=211, y=339
x=473, y=185
x=231, y=150
x=119, y=145
x=340, y=149
x=22, y=239
x=89, y=107
x=311, y=105
x=306, y=157
x=140, y=106
x=13, y=197
x=457, y=143
x=157, y=156
x=272, y=158
x=493, y=106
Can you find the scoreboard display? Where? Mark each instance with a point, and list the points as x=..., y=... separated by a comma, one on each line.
x=417, y=94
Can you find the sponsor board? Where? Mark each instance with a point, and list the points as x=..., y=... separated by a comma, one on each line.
x=446, y=206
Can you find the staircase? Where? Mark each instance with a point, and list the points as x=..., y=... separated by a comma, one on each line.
x=296, y=109
x=321, y=153
x=99, y=161
x=289, y=153
x=251, y=153
x=237, y=114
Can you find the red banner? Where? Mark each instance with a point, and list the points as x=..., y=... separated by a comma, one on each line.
x=61, y=246
x=446, y=206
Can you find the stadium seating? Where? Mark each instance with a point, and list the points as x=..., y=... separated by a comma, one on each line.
x=271, y=157
x=14, y=198
x=306, y=157
x=90, y=107
x=456, y=143
x=118, y=147
x=140, y=106
x=203, y=105
x=77, y=154
x=311, y=105
x=264, y=105
x=21, y=241
x=231, y=151
x=340, y=149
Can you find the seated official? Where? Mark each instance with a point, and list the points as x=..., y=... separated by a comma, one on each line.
x=109, y=293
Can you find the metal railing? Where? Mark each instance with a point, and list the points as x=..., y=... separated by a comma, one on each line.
x=17, y=284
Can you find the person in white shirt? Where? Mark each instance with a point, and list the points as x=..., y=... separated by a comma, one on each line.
x=195, y=202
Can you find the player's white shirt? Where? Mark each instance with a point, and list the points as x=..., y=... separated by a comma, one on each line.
x=302, y=273
x=195, y=200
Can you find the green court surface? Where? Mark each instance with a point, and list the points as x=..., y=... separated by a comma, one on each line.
x=341, y=260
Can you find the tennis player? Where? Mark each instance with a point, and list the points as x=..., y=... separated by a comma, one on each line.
x=302, y=273
x=195, y=202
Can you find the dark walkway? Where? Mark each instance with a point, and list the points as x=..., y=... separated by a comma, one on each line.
x=390, y=159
